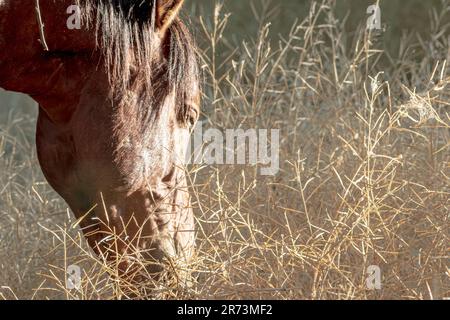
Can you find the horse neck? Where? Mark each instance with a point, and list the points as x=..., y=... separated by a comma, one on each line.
x=52, y=77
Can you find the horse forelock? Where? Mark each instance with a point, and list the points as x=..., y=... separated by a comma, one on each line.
x=131, y=47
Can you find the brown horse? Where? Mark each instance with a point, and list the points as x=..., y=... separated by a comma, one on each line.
x=117, y=98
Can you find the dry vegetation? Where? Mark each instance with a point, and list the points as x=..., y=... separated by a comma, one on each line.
x=364, y=176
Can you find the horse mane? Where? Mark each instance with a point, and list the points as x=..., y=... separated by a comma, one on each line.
x=126, y=34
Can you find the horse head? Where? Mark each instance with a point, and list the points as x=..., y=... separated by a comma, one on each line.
x=117, y=96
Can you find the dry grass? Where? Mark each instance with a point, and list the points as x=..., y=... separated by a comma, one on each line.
x=364, y=177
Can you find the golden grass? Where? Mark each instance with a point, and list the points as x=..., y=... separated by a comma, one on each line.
x=364, y=177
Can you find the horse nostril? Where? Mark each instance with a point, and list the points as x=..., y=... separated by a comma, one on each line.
x=170, y=176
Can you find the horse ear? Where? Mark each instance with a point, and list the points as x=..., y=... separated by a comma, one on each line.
x=166, y=12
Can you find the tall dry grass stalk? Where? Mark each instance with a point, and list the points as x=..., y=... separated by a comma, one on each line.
x=364, y=176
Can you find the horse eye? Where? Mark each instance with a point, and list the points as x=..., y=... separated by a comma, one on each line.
x=192, y=116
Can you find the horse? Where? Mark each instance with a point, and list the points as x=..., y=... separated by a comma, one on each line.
x=118, y=96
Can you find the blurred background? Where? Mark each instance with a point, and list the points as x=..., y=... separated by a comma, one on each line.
x=399, y=17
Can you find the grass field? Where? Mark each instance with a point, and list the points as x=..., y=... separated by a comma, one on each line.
x=364, y=162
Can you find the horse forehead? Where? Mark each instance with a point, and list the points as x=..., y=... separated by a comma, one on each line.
x=152, y=156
